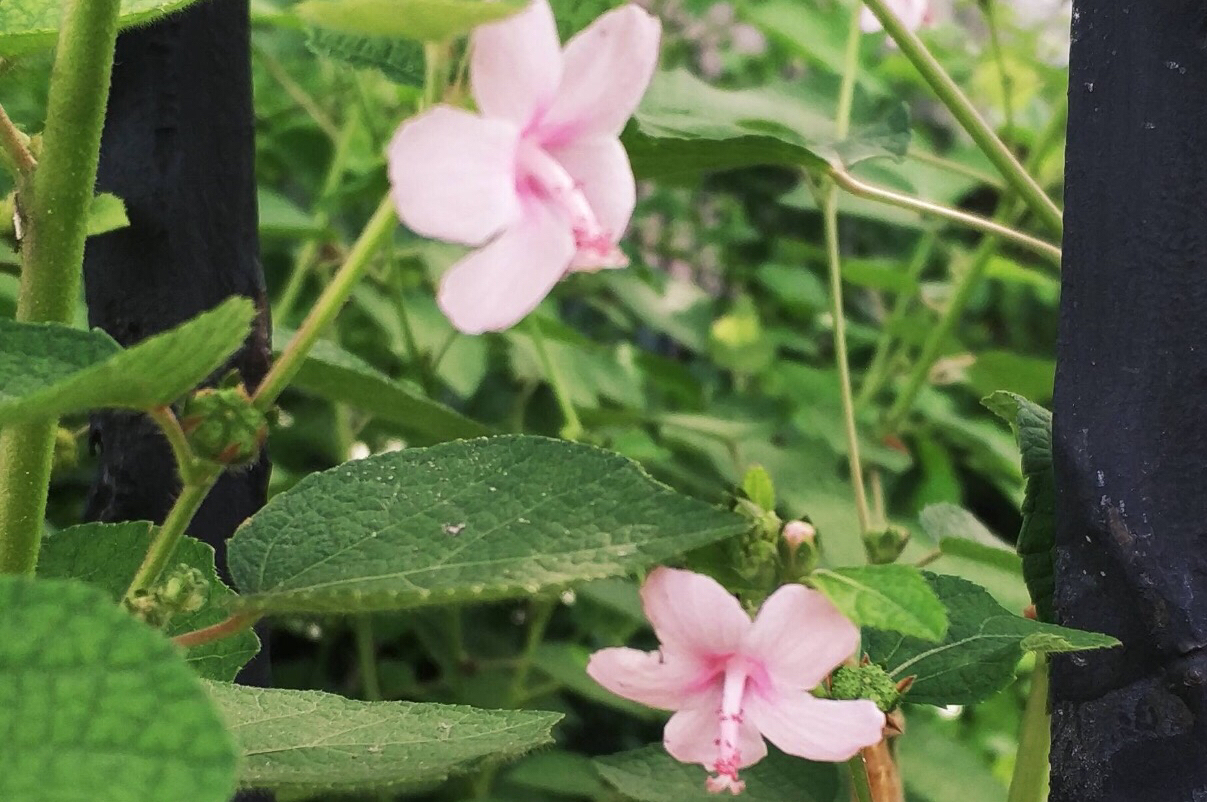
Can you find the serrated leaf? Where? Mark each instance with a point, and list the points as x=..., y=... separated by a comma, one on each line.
x=649, y=774
x=421, y=20
x=108, y=555
x=685, y=127
x=1032, y=426
x=32, y=24
x=107, y=213
x=336, y=375
x=400, y=60
x=466, y=521
x=308, y=741
x=978, y=656
x=96, y=705
x=960, y=534
x=890, y=597
x=48, y=370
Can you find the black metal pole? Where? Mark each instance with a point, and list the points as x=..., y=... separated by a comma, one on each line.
x=179, y=149
x=1130, y=429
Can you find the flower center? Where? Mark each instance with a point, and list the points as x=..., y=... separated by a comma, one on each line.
x=543, y=176
x=729, y=756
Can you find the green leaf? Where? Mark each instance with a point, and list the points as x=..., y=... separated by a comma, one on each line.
x=561, y=773
x=758, y=487
x=649, y=774
x=33, y=24
x=998, y=371
x=307, y=741
x=983, y=645
x=48, y=370
x=96, y=705
x=1032, y=426
x=108, y=213
x=685, y=127
x=108, y=555
x=400, y=60
x=336, y=375
x=466, y=521
x=422, y=20
x=960, y=534
x=891, y=597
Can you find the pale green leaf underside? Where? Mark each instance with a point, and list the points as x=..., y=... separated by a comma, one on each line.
x=299, y=741
x=32, y=24
x=889, y=597
x=422, y=20
x=97, y=707
x=108, y=555
x=981, y=650
x=651, y=775
x=48, y=370
x=466, y=521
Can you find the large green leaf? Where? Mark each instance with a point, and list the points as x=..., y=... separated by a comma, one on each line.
x=95, y=705
x=889, y=597
x=31, y=24
x=1032, y=426
x=472, y=520
x=48, y=370
x=423, y=20
x=983, y=645
x=307, y=741
x=108, y=555
x=685, y=127
x=332, y=373
x=651, y=775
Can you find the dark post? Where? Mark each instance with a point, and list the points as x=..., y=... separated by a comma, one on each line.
x=1130, y=445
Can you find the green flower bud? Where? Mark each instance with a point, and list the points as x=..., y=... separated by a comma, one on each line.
x=223, y=426
x=885, y=546
x=184, y=590
x=867, y=681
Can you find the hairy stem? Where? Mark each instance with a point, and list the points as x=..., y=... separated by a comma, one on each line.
x=56, y=204
x=174, y=527
x=1030, y=780
x=14, y=147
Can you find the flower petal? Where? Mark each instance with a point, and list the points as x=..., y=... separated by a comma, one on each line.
x=517, y=65
x=691, y=735
x=645, y=677
x=691, y=613
x=912, y=13
x=496, y=286
x=600, y=168
x=606, y=69
x=800, y=637
x=452, y=175
x=816, y=729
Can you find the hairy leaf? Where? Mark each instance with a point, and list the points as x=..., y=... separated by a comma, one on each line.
x=889, y=597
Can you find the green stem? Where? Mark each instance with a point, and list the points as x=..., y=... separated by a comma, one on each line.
x=846, y=92
x=174, y=527
x=186, y=460
x=542, y=612
x=366, y=652
x=295, y=91
x=950, y=94
x=999, y=56
x=56, y=208
x=888, y=197
x=573, y=428
x=376, y=233
x=1030, y=780
x=859, y=779
x=953, y=166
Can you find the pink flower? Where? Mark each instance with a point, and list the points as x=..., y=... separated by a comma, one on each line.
x=734, y=682
x=913, y=13
x=539, y=179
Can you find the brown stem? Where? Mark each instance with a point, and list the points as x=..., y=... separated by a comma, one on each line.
x=223, y=629
x=884, y=778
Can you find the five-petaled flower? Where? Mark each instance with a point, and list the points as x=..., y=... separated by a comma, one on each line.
x=913, y=13
x=733, y=681
x=539, y=179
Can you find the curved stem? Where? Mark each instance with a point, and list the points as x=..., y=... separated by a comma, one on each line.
x=952, y=166
x=56, y=201
x=1029, y=782
x=969, y=118
x=377, y=231
x=986, y=226
x=239, y=622
x=174, y=527
x=573, y=428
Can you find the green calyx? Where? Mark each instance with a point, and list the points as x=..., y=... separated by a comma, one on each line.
x=222, y=425
x=884, y=546
x=867, y=681
x=184, y=590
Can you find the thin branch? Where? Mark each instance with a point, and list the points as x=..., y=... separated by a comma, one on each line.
x=15, y=145
x=223, y=629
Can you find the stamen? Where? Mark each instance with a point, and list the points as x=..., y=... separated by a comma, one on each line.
x=729, y=717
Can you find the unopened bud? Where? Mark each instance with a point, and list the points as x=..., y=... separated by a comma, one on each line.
x=885, y=546
x=222, y=425
x=867, y=681
x=797, y=532
x=184, y=590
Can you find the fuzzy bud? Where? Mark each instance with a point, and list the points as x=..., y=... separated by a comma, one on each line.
x=867, y=681
x=222, y=425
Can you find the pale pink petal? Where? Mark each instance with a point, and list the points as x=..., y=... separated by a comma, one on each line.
x=452, y=175
x=800, y=637
x=495, y=287
x=691, y=735
x=607, y=68
x=645, y=677
x=516, y=65
x=912, y=13
x=816, y=729
x=691, y=613
x=600, y=168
